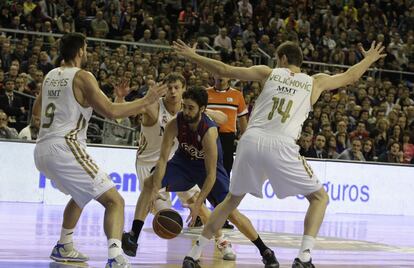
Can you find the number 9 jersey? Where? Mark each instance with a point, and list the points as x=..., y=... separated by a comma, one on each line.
x=62, y=117
x=283, y=105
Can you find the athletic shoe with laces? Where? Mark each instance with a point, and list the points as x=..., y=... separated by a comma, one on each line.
x=227, y=225
x=66, y=252
x=189, y=262
x=269, y=259
x=118, y=262
x=129, y=246
x=198, y=222
x=297, y=263
x=226, y=250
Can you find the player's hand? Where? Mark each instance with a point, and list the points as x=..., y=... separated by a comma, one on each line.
x=375, y=52
x=155, y=91
x=122, y=89
x=155, y=196
x=194, y=212
x=183, y=49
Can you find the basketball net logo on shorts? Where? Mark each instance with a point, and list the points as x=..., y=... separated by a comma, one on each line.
x=192, y=151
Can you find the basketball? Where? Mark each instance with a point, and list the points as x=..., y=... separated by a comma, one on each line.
x=167, y=223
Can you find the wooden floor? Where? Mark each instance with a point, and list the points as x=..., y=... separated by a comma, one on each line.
x=29, y=231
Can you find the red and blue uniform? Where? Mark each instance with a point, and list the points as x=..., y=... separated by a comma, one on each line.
x=187, y=168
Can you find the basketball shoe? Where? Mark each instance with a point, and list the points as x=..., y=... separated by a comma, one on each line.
x=227, y=225
x=129, y=246
x=118, y=262
x=66, y=252
x=297, y=263
x=190, y=263
x=226, y=250
x=269, y=259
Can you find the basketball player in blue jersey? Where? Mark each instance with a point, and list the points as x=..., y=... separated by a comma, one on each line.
x=268, y=149
x=154, y=119
x=197, y=161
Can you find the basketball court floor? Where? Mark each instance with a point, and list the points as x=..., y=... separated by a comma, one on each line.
x=29, y=231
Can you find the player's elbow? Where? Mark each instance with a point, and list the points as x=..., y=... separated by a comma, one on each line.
x=222, y=119
x=222, y=70
x=110, y=114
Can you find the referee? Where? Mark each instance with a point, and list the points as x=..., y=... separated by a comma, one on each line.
x=231, y=102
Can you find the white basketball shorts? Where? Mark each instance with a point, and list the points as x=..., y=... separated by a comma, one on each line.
x=72, y=170
x=260, y=157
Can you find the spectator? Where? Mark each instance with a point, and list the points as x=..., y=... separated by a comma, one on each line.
x=208, y=29
x=6, y=55
x=6, y=132
x=408, y=147
x=244, y=7
x=44, y=63
x=320, y=144
x=99, y=26
x=368, y=150
x=306, y=147
x=28, y=7
x=146, y=39
x=32, y=130
x=48, y=10
x=65, y=22
x=331, y=148
x=360, y=132
x=161, y=39
x=393, y=154
x=115, y=134
x=223, y=43
x=12, y=105
x=82, y=23
x=353, y=153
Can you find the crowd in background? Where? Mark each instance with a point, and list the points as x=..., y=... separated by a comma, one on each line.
x=372, y=120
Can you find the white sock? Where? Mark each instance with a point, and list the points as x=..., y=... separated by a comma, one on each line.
x=114, y=248
x=219, y=239
x=196, y=250
x=308, y=243
x=66, y=236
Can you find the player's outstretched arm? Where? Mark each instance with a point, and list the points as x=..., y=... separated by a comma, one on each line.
x=254, y=73
x=171, y=131
x=218, y=116
x=100, y=103
x=327, y=82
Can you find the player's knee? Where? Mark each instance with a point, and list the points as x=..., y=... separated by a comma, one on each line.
x=319, y=196
x=325, y=197
x=118, y=201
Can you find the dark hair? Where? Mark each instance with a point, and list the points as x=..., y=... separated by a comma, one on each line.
x=292, y=52
x=197, y=94
x=172, y=77
x=70, y=44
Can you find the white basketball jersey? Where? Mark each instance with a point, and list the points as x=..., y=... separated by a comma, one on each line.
x=283, y=105
x=62, y=116
x=150, y=138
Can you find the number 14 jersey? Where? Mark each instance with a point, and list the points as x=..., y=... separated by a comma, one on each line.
x=283, y=104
